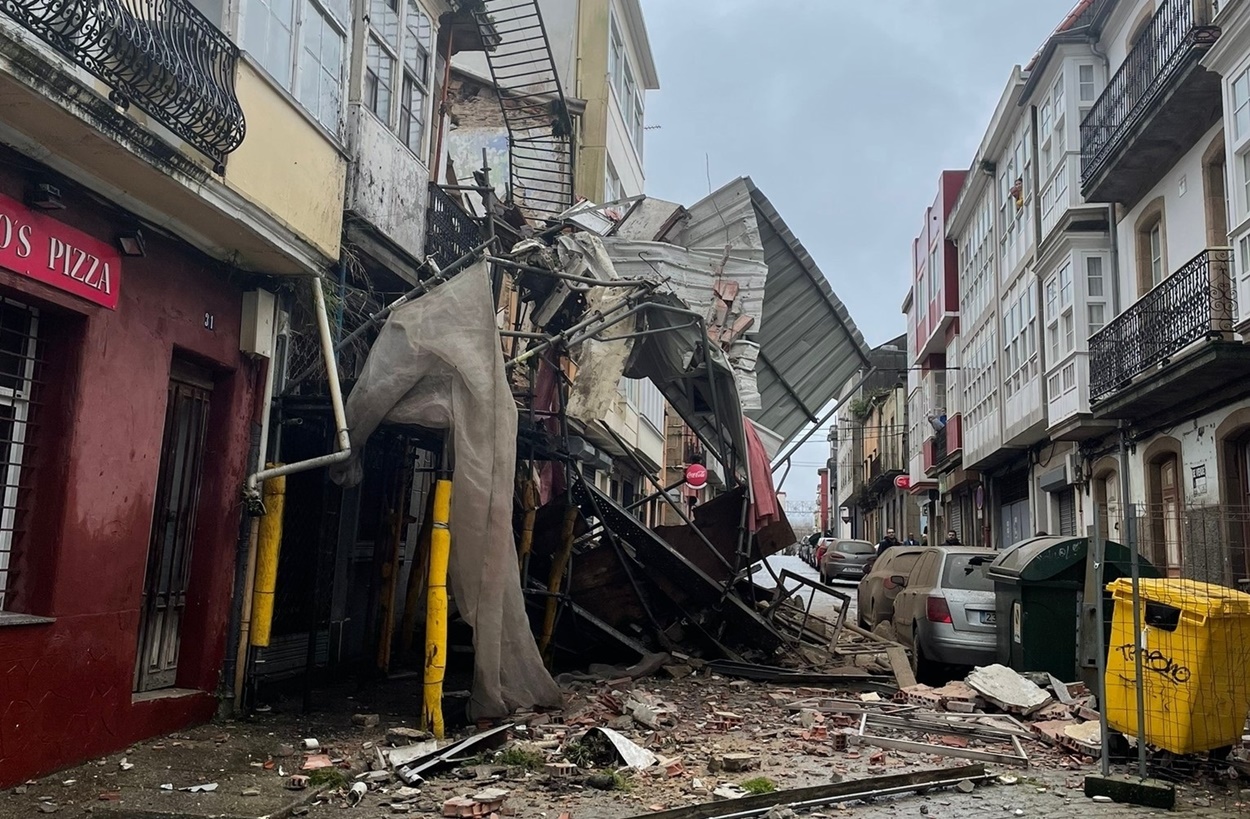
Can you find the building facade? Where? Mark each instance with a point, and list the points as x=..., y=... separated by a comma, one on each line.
x=1108, y=193
x=150, y=217
x=870, y=446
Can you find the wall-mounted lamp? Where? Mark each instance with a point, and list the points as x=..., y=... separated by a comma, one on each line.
x=132, y=243
x=45, y=196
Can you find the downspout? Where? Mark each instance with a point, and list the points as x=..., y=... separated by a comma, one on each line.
x=1113, y=230
x=252, y=494
x=1038, y=295
x=336, y=402
x=253, y=541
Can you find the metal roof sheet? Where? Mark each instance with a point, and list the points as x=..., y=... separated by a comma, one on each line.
x=809, y=345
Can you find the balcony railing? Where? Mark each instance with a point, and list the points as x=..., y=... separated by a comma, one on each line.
x=1197, y=302
x=163, y=56
x=1176, y=35
x=450, y=232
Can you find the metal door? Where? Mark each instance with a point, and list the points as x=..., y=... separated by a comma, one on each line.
x=1067, y=512
x=173, y=528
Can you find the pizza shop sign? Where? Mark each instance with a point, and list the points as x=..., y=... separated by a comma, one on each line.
x=46, y=250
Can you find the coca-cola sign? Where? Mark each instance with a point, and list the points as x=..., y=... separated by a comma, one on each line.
x=696, y=476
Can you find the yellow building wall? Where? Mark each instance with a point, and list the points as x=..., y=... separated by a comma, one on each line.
x=592, y=80
x=287, y=166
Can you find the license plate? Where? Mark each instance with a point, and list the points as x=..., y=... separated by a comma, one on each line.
x=989, y=618
x=854, y=570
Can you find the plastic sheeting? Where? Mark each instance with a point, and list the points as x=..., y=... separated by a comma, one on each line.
x=436, y=364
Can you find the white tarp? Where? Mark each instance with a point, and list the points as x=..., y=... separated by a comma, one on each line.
x=436, y=364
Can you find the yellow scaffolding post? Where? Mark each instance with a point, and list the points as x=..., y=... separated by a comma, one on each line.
x=436, y=611
x=268, y=549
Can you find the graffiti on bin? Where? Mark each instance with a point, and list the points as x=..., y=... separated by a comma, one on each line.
x=1159, y=663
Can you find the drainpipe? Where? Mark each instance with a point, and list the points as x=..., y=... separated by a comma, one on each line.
x=1113, y=230
x=336, y=403
x=252, y=494
x=1039, y=293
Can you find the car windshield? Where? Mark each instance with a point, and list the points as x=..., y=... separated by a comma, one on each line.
x=856, y=547
x=968, y=572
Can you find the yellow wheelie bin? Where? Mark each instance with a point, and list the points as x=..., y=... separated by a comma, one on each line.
x=1195, y=644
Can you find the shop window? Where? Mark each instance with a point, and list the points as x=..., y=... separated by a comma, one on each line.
x=19, y=331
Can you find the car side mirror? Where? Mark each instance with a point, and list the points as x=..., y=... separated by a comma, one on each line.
x=899, y=580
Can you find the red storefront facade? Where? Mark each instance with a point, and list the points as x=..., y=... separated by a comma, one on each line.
x=113, y=407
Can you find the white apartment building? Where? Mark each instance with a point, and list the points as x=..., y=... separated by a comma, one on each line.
x=1099, y=287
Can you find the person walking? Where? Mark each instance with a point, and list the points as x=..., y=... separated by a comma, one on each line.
x=911, y=540
x=887, y=542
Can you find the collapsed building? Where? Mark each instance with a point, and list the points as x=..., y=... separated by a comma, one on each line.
x=493, y=365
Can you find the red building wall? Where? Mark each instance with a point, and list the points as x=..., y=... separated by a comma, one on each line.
x=66, y=686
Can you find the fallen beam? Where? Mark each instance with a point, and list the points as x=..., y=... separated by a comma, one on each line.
x=804, y=798
x=901, y=666
x=909, y=746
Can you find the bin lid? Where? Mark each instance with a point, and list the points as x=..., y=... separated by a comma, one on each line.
x=1045, y=558
x=1193, y=596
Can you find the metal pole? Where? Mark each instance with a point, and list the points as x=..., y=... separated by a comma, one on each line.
x=421, y=289
x=1130, y=525
x=1098, y=550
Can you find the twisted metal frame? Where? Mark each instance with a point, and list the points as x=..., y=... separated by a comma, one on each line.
x=1197, y=302
x=164, y=56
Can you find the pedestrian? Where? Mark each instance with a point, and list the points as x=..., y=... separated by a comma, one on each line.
x=911, y=540
x=952, y=539
x=887, y=542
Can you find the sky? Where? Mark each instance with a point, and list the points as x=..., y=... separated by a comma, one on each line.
x=843, y=113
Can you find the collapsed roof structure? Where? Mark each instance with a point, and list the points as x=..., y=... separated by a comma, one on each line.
x=722, y=308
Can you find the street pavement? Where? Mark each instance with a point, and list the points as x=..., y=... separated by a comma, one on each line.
x=823, y=605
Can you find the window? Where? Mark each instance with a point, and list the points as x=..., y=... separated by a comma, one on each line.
x=629, y=95
x=612, y=189
x=1243, y=253
x=418, y=35
x=302, y=44
x=398, y=65
x=19, y=326
x=1241, y=105
x=1097, y=317
x=1086, y=83
x=1057, y=93
x=1156, y=253
x=1245, y=179
x=1093, y=276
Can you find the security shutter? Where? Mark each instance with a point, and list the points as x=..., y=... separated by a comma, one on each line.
x=955, y=518
x=1014, y=486
x=1067, y=512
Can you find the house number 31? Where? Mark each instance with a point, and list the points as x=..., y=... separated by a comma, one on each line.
x=210, y=321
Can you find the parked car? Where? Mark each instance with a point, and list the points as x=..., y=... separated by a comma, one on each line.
x=846, y=558
x=945, y=609
x=822, y=546
x=876, y=592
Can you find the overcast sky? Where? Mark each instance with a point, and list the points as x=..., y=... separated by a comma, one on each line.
x=843, y=112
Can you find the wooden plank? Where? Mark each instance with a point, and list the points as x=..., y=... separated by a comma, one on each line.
x=901, y=665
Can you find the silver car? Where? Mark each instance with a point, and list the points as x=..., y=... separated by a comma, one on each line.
x=945, y=611
x=876, y=592
x=846, y=558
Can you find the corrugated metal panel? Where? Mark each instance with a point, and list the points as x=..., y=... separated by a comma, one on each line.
x=809, y=346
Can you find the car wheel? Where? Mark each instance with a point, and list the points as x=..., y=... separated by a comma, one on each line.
x=921, y=665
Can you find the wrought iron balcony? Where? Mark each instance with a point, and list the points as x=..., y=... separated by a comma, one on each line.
x=1196, y=303
x=450, y=232
x=164, y=56
x=1155, y=107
